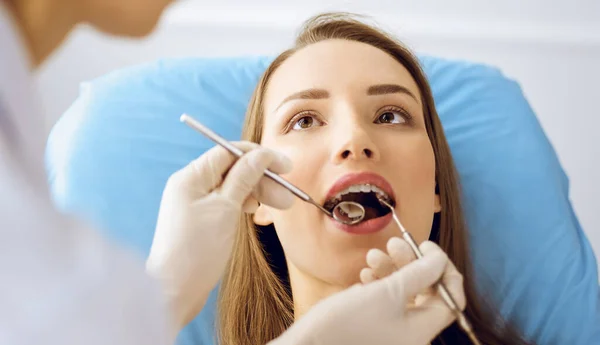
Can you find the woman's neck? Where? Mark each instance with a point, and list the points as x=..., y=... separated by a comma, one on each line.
x=308, y=290
x=44, y=24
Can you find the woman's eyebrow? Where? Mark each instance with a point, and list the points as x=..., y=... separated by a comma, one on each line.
x=306, y=94
x=384, y=89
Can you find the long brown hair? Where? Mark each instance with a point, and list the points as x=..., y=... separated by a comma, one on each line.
x=255, y=302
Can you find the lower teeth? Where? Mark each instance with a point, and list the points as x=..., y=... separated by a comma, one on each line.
x=351, y=210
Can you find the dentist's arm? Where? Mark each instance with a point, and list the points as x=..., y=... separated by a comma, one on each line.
x=379, y=313
x=198, y=219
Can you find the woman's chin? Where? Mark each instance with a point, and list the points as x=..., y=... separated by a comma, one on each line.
x=348, y=273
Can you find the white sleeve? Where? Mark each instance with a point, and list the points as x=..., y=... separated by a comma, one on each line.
x=61, y=283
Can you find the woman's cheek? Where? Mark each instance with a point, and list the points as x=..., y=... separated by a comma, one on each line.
x=417, y=160
x=306, y=174
x=306, y=163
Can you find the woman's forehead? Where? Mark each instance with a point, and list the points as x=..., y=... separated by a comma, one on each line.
x=338, y=66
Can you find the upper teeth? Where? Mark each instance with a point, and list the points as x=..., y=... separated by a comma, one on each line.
x=361, y=188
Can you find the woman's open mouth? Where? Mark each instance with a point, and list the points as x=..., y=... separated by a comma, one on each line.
x=365, y=189
x=366, y=195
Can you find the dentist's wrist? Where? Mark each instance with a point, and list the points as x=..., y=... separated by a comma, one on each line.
x=185, y=308
x=182, y=307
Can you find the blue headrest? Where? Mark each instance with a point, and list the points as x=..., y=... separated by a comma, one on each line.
x=112, y=152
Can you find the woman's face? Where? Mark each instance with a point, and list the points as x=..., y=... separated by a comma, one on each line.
x=349, y=116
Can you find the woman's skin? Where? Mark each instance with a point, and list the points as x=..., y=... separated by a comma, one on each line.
x=336, y=108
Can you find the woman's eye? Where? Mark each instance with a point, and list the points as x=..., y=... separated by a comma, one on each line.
x=392, y=117
x=305, y=122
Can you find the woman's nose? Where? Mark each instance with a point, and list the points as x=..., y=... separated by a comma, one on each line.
x=356, y=153
x=356, y=145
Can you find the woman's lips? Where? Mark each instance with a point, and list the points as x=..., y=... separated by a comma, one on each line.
x=367, y=227
x=360, y=178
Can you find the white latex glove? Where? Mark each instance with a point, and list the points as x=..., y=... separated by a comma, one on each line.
x=381, y=264
x=378, y=312
x=198, y=219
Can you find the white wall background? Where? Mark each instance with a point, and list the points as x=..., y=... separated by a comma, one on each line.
x=552, y=47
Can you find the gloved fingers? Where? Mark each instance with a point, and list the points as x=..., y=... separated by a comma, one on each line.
x=381, y=263
x=206, y=173
x=250, y=205
x=248, y=171
x=415, y=277
x=271, y=193
x=424, y=296
x=434, y=311
x=367, y=275
x=432, y=308
x=431, y=318
x=452, y=278
x=400, y=252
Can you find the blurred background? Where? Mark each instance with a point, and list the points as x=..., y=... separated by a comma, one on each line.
x=551, y=47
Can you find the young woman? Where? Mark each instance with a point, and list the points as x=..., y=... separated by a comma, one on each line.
x=353, y=110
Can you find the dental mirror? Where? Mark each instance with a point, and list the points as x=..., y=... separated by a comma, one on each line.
x=345, y=212
x=348, y=212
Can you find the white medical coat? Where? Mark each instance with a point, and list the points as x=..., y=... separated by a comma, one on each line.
x=60, y=282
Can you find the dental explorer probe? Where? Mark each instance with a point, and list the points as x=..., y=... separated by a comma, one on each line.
x=461, y=319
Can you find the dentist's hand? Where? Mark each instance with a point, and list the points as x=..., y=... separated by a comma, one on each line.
x=381, y=264
x=199, y=217
x=378, y=312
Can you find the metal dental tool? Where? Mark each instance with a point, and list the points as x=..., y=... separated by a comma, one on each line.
x=345, y=212
x=461, y=319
